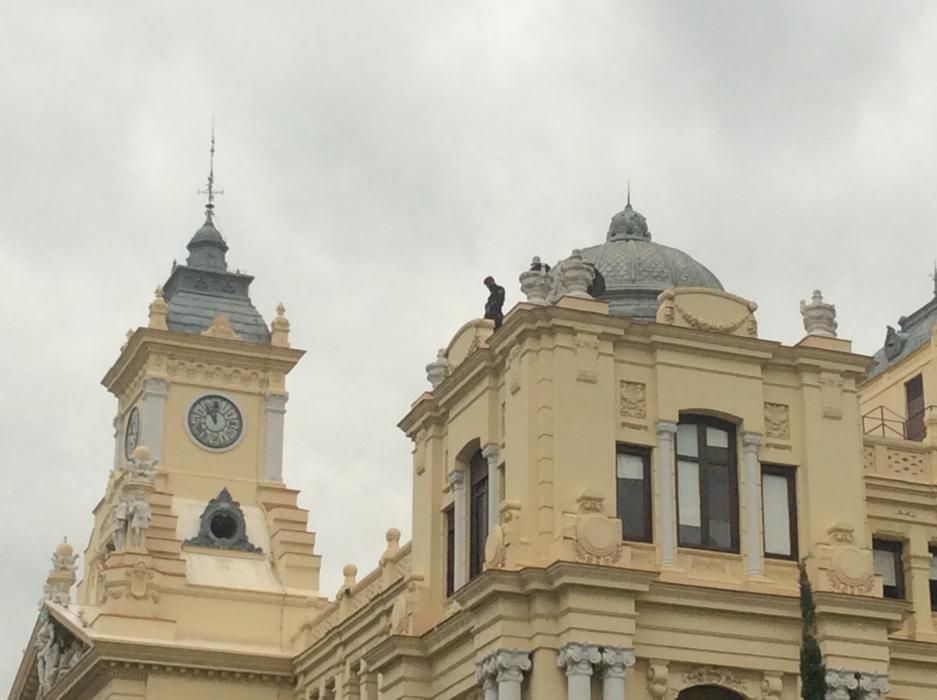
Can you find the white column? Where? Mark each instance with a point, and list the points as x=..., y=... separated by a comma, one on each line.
x=486, y=673
x=666, y=430
x=754, y=555
x=615, y=662
x=273, y=457
x=576, y=660
x=153, y=415
x=457, y=484
x=511, y=665
x=492, y=453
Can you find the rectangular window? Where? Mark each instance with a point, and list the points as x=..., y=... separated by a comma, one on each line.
x=633, y=492
x=914, y=407
x=779, y=499
x=478, y=513
x=449, y=524
x=886, y=557
x=707, y=484
x=933, y=578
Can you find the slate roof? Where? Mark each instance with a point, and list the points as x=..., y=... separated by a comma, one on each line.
x=197, y=292
x=913, y=331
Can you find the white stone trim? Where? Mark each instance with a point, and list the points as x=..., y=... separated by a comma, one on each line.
x=666, y=432
x=511, y=665
x=153, y=415
x=576, y=659
x=754, y=542
x=615, y=662
x=459, y=502
x=492, y=454
x=273, y=448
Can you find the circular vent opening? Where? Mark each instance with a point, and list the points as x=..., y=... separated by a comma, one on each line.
x=224, y=526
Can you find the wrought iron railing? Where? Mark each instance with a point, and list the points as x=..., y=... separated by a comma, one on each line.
x=883, y=422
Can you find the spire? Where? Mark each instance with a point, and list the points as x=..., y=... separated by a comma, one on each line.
x=207, y=248
x=628, y=205
x=210, y=188
x=933, y=276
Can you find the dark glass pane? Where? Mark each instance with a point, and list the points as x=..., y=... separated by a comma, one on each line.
x=478, y=526
x=631, y=510
x=719, y=507
x=449, y=518
x=691, y=535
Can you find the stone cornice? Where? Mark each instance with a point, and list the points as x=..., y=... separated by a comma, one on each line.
x=746, y=602
x=149, y=341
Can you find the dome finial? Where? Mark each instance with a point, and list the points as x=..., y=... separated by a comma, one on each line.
x=210, y=189
x=629, y=193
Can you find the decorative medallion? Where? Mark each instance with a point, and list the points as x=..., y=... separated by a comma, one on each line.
x=777, y=421
x=132, y=432
x=215, y=422
x=633, y=402
x=222, y=526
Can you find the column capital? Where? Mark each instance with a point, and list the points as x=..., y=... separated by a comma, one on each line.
x=751, y=441
x=577, y=658
x=155, y=386
x=276, y=402
x=873, y=685
x=492, y=453
x=456, y=479
x=665, y=427
x=615, y=661
x=486, y=672
x=839, y=683
x=511, y=664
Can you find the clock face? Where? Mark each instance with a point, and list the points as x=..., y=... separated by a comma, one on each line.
x=215, y=422
x=132, y=432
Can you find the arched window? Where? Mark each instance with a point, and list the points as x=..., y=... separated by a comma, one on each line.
x=478, y=513
x=707, y=484
x=709, y=692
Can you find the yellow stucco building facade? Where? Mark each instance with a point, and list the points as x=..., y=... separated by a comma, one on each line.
x=611, y=494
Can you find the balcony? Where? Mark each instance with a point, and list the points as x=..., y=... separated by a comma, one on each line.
x=885, y=423
x=899, y=459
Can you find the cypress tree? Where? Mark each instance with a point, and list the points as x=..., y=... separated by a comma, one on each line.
x=812, y=670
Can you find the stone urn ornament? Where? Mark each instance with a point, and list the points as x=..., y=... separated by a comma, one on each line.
x=576, y=276
x=819, y=317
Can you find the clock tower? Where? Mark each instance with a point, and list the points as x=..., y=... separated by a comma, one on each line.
x=198, y=544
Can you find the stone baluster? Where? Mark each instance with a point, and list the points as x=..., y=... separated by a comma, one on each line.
x=576, y=659
x=754, y=554
x=511, y=665
x=457, y=484
x=615, y=662
x=666, y=431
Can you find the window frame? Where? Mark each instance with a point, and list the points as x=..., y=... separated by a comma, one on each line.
x=477, y=513
x=932, y=579
x=788, y=472
x=703, y=421
x=896, y=547
x=448, y=520
x=648, y=497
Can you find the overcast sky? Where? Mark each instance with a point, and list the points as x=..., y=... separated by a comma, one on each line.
x=379, y=159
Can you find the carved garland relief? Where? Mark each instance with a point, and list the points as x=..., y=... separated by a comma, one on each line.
x=850, y=568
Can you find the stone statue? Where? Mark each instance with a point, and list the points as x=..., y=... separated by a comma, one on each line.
x=495, y=301
x=121, y=515
x=819, y=317
x=47, y=653
x=139, y=521
x=141, y=465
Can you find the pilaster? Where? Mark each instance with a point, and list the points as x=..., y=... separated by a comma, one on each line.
x=754, y=554
x=492, y=454
x=153, y=415
x=457, y=484
x=666, y=430
x=273, y=453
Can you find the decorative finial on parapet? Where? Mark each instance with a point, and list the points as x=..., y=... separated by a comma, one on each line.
x=158, y=310
x=62, y=575
x=819, y=317
x=536, y=282
x=127, y=338
x=350, y=572
x=576, y=275
x=280, y=328
x=437, y=370
x=933, y=276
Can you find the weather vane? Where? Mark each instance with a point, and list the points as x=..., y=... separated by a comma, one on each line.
x=210, y=190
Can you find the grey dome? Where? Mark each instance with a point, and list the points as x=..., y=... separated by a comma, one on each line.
x=636, y=270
